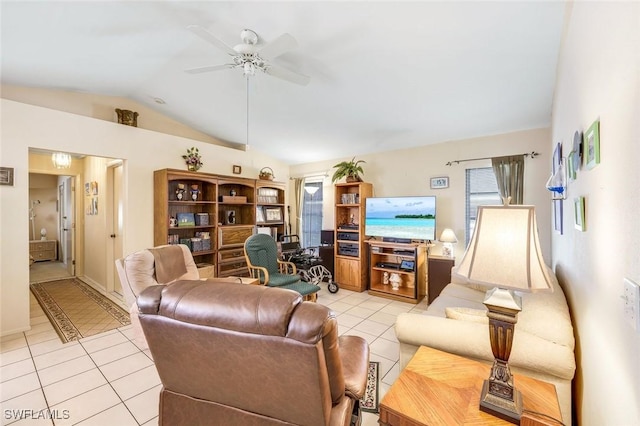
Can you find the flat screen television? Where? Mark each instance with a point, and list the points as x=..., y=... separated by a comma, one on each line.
x=401, y=219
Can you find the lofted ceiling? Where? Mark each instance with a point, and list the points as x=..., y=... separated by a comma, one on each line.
x=383, y=75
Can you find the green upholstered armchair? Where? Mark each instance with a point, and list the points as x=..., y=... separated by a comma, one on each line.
x=261, y=252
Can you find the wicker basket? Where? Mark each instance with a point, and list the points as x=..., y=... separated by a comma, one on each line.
x=266, y=173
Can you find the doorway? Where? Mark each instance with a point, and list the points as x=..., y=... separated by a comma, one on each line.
x=51, y=210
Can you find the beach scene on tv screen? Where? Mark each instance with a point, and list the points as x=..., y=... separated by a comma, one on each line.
x=401, y=217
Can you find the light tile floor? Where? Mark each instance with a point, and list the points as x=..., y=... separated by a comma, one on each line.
x=107, y=380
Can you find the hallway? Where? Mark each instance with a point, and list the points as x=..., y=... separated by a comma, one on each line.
x=49, y=270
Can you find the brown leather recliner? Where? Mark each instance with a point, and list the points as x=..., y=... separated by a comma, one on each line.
x=234, y=354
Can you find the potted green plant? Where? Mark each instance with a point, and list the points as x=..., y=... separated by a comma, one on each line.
x=349, y=169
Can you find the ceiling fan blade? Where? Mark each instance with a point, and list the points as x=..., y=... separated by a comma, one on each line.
x=209, y=68
x=288, y=75
x=206, y=35
x=280, y=45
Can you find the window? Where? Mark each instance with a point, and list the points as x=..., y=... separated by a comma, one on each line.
x=311, y=214
x=481, y=190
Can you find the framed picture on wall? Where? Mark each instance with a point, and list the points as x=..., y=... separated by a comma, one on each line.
x=440, y=182
x=578, y=211
x=592, y=145
x=6, y=176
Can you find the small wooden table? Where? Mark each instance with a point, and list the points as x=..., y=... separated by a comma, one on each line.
x=438, y=388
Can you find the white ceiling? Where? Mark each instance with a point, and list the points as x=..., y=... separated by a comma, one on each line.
x=384, y=75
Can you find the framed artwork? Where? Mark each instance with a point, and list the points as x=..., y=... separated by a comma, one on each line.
x=259, y=215
x=440, y=182
x=231, y=217
x=557, y=204
x=578, y=212
x=237, y=170
x=6, y=176
x=273, y=214
x=592, y=145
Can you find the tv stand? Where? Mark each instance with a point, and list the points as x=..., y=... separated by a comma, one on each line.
x=384, y=255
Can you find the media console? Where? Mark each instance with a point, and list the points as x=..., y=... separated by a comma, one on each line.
x=407, y=260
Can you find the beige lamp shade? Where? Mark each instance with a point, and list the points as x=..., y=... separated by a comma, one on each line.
x=448, y=236
x=504, y=250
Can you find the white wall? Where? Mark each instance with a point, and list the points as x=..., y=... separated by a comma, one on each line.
x=25, y=126
x=408, y=172
x=598, y=78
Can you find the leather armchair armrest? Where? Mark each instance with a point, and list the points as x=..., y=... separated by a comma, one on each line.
x=149, y=300
x=354, y=354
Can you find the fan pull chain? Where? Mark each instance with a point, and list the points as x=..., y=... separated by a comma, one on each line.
x=247, y=145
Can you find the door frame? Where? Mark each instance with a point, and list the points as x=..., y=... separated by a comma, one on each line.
x=115, y=224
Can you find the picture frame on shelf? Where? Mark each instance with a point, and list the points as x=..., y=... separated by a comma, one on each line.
x=273, y=214
x=592, y=145
x=578, y=211
x=6, y=176
x=439, y=182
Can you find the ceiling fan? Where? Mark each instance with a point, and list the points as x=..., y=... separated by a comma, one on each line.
x=251, y=57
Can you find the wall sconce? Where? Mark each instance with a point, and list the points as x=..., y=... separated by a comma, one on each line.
x=61, y=160
x=557, y=183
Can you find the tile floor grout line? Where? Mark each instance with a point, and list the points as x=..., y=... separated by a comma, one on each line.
x=110, y=385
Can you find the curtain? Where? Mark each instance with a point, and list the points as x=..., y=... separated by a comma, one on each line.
x=509, y=171
x=299, y=199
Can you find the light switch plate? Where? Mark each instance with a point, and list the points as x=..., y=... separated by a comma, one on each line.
x=631, y=299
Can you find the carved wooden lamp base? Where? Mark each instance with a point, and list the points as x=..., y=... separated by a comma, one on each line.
x=499, y=397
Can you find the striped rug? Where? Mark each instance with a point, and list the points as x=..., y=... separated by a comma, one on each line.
x=76, y=310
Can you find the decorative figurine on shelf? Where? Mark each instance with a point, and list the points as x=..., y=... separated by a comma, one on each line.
x=233, y=193
x=194, y=192
x=231, y=217
x=395, y=281
x=180, y=192
x=193, y=159
x=173, y=222
x=385, y=278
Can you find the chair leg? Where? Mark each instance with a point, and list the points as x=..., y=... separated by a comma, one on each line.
x=313, y=297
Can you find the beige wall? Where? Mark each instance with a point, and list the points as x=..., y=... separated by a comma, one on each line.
x=598, y=78
x=44, y=188
x=24, y=126
x=408, y=172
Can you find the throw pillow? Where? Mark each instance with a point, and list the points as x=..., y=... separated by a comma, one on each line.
x=467, y=314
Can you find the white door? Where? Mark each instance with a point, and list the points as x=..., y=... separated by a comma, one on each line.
x=67, y=225
x=115, y=219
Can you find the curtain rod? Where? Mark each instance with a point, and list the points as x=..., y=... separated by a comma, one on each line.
x=531, y=154
x=311, y=175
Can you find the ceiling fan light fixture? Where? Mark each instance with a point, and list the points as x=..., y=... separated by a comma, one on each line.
x=249, y=69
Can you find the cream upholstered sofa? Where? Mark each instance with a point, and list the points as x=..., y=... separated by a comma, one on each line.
x=456, y=322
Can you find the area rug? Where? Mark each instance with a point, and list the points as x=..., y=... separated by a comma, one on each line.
x=369, y=401
x=76, y=310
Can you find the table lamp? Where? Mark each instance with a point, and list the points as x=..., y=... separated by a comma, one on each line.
x=448, y=238
x=504, y=252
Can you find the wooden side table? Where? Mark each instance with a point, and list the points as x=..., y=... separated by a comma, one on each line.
x=439, y=270
x=438, y=388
